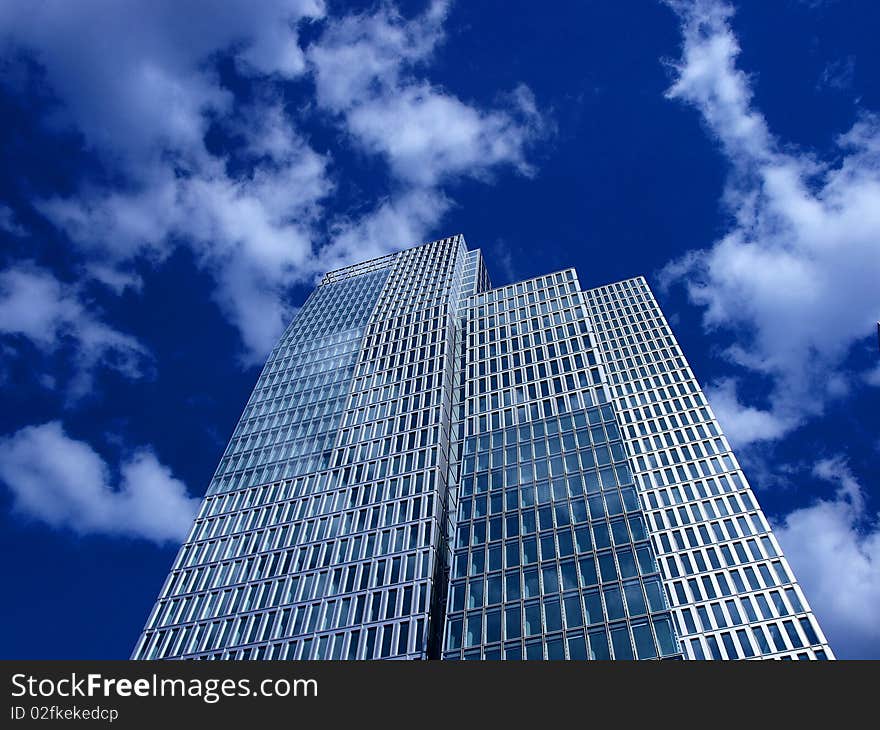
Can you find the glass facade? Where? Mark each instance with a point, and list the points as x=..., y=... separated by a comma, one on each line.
x=551, y=557
x=431, y=468
x=732, y=592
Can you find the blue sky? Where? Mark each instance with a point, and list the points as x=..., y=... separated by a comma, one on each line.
x=176, y=174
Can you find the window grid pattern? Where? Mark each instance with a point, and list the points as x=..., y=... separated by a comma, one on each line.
x=550, y=557
x=290, y=422
x=429, y=467
x=382, y=262
x=732, y=592
x=401, y=407
x=235, y=561
x=474, y=281
x=336, y=560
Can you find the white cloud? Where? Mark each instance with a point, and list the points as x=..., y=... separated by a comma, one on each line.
x=36, y=306
x=136, y=76
x=66, y=484
x=395, y=223
x=8, y=222
x=253, y=233
x=743, y=424
x=372, y=50
x=363, y=71
x=114, y=278
x=144, y=96
x=365, y=68
x=795, y=277
x=834, y=548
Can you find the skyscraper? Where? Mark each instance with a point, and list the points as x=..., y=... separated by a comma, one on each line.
x=431, y=468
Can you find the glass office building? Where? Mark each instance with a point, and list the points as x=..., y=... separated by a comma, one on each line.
x=432, y=468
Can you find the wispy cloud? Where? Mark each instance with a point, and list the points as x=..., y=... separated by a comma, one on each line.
x=66, y=484
x=8, y=222
x=795, y=276
x=253, y=234
x=36, y=306
x=364, y=71
x=744, y=424
x=367, y=73
x=834, y=547
x=137, y=78
x=397, y=221
x=838, y=75
x=144, y=97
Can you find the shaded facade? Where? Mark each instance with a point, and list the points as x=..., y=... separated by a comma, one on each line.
x=431, y=468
